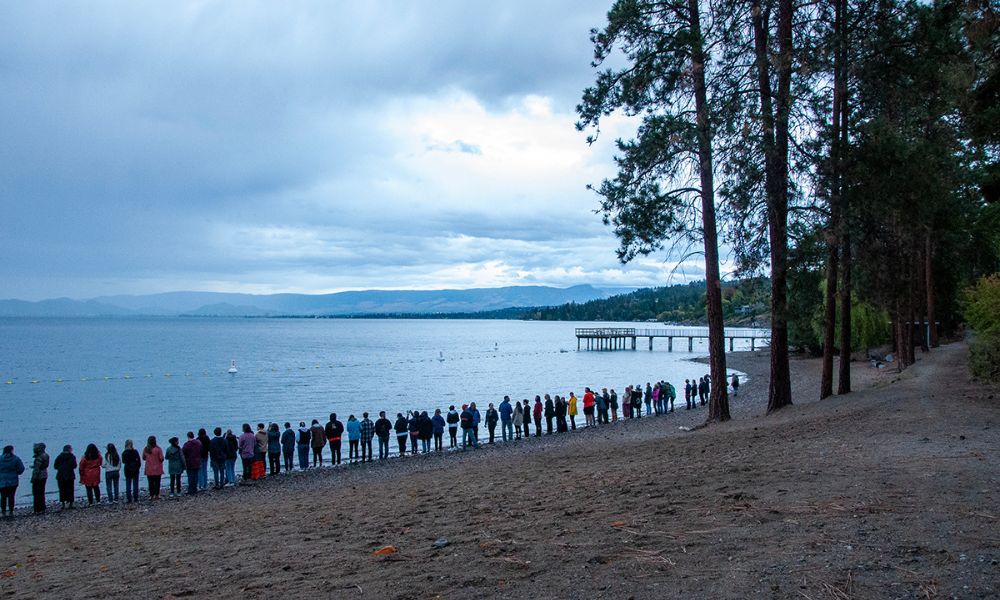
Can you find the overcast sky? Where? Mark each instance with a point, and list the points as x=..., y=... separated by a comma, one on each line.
x=303, y=147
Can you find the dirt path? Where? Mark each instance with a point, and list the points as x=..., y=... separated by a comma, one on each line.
x=891, y=492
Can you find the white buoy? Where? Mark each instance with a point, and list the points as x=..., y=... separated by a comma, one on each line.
x=232, y=368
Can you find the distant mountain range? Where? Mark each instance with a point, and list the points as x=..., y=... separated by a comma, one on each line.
x=346, y=304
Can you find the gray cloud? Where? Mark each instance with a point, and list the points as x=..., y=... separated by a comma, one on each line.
x=158, y=146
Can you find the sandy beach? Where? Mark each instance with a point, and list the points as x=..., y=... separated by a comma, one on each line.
x=890, y=492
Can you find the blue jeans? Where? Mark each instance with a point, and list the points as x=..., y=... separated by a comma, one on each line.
x=131, y=488
x=507, y=430
x=219, y=472
x=203, y=475
x=193, y=481
x=469, y=438
x=425, y=446
x=303, y=456
x=383, y=447
x=230, y=470
x=111, y=479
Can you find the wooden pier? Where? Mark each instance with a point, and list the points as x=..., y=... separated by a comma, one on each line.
x=624, y=338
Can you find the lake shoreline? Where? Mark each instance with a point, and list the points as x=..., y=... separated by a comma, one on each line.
x=638, y=509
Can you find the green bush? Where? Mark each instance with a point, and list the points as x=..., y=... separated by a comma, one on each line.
x=870, y=325
x=982, y=313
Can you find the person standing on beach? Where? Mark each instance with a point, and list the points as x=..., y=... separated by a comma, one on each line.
x=11, y=468
x=39, y=477
x=468, y=436
x=492, y=416
x=453, y=425
x=260, y=452
x=153, y=458
x=367, y=433
x=571, y=410
x=637, y=401
x=736, y=384
x=588, y=407
x=559, y=409
x=288, y=447
x=413, y=428
x=603, y=401
x=506, y=419
x=65, y=466
x=537, y=412
x=247, y=447
x=383, y=430
x=613, y=404
x=334, y=430
x=90, y=473
x=302, y=445
x=476, y=417
x=438, y=421
x=205, y=442
x=175, y=465
x=517, y=418
x=353, y=438
x=426, y=432
x=401, y=433
x=218, y=448
x=649, y=399
x=131, y=463
x=274, y=448
x=192, y=462
x=550, y=413
x=703, y=388
x=687, y=395
x=627, y=403
x=526, y=416
x=112, y=472
x=318, y=442
x=657, y=405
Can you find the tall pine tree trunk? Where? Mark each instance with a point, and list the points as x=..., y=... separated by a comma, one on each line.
x=774, y=118
x=833, y=227
x=844, y=373
x=718, y=406
x=929, y=276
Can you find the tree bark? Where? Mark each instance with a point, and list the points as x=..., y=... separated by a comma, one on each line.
x=929, y=276
x=844, y=372
x=774, y=118
x=833, y=227
x=718, y=404
x=829, y=317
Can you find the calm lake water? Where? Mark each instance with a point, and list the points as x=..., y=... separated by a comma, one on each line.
x=79, y=381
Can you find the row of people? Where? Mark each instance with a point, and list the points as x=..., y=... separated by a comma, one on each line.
x=280, y=447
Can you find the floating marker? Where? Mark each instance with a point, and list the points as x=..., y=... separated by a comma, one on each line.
x=9, y=382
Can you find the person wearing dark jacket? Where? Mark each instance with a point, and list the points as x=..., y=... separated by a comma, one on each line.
x=560, y=411
x=334, y=431
x=526, y=415
x=492, y=416
x=232, y=454
x=468, y=433
x=288, y=446
x=131, y=464
x=401, y=433
x=302, y=445
x=11, y=468
x=318, y=442
x=426, y=431
x=507, y=420
x=192, y=461
x=439, y=423
x=413, y=427
x=383, y=431
x=217, y=450
x=550, y=413
x=65, y=466
x=274, y=448
x=39, y=477
x=205, y=442
x=453, y=425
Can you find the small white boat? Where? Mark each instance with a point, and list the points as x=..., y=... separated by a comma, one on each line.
x=232, y=368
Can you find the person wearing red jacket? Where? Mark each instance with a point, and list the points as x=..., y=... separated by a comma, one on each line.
x=537, y=413
x=90, y=473
x=588, y=406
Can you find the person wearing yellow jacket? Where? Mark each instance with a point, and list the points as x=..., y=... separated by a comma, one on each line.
x=572, y=410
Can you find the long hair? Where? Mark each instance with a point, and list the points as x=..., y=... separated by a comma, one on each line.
x=113, y=458
x=91, y=453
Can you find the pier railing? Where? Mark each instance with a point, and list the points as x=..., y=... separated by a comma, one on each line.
x=623, y=338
